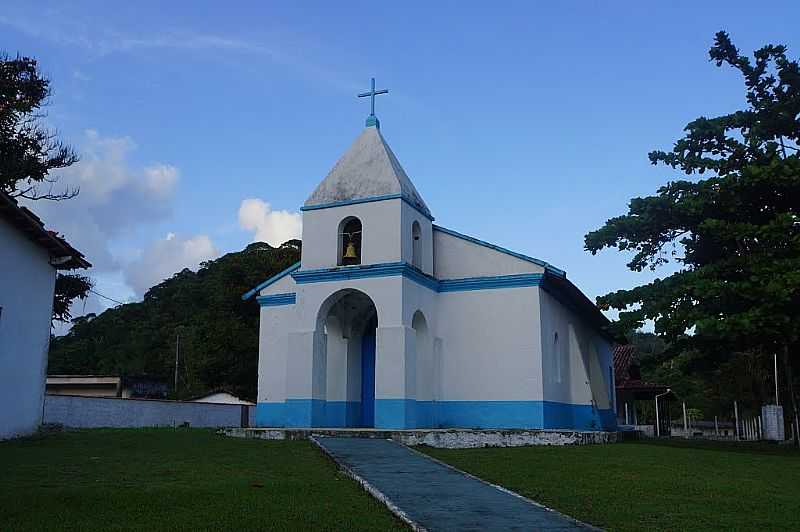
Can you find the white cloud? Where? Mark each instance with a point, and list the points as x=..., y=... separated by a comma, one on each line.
x=99, y=40
x=167, y=256
x=114, y=198
x=272, y=227
x=160, y=179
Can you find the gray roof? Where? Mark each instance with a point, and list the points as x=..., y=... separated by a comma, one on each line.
x=368, y=169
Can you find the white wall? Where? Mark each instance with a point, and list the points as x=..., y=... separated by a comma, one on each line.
x=380, y=237
x=26, y=296
x=585, y=357
x=222, y=398
x=490, y=345
x=457, y=258
x=409, y=216
x=94, y=412
x=284, y=285
x=273, y=349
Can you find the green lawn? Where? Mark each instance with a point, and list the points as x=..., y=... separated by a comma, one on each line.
x=650, y=486
x=184, y=479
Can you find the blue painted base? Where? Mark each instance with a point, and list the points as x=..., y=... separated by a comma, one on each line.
x=411, y=414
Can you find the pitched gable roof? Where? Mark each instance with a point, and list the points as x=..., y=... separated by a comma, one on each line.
x=368, y=169
x=63, y=256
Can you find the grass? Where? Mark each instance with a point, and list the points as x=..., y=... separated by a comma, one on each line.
x=184, y=479
x=650, y=485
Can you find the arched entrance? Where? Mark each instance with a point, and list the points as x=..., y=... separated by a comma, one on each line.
x=348, y=319
x=368, y=374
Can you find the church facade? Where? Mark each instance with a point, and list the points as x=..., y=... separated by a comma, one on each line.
x=390, y=321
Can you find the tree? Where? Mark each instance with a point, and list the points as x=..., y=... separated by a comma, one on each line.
x=218, y=331
x=734, y=236
x=69, y=287
x=29, y=152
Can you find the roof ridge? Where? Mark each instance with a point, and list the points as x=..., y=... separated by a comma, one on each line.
x=368, y=169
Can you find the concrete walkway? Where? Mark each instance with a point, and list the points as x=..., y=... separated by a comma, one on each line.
x=432, y=496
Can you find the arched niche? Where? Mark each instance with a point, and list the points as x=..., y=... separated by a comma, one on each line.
x=350, y=238
x=416, y=245
x=425, y=371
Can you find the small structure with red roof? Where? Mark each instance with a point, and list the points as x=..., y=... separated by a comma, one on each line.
x=631, y=390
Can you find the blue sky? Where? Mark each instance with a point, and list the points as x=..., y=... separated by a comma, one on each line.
x=523, y=123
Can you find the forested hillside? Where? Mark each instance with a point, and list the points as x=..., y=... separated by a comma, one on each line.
x=218, y=331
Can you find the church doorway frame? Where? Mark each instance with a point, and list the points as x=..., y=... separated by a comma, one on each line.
x=348, y=319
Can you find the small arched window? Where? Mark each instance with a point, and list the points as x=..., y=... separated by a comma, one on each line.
x=416, y=245
x=556, y=359
x=350, y=242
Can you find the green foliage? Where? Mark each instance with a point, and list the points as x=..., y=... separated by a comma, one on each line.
x=218, y=331
x=177, y=480
x=28, y=150
x=735, y=236
x=708, y=385
x=69, y=287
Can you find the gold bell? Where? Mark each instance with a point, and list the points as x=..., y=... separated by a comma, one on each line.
x=350, y=252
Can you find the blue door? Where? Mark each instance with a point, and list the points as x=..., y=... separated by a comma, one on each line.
x=368, y=379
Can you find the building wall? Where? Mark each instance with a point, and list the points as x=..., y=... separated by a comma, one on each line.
x=577, y=370
x=273, y=347
x=222, y=398
x=489, y=350
x=409, y=215
x=107, y=390
x=95, y=412
x=471, y=358
x=26, y=297
x=380, y=237
x=458, y=258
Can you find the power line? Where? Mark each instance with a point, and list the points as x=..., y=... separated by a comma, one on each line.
x=106, y=297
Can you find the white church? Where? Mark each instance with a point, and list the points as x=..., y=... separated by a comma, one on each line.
x=393, y=322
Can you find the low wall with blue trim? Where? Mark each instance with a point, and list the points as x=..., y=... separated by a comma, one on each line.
x=96, y=412
x=410, y=414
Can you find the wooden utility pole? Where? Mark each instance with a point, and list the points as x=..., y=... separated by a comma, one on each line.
x=177, y=350
x=685, y=425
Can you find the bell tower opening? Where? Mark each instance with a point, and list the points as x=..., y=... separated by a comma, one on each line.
x=349, y=242
x=416, y=245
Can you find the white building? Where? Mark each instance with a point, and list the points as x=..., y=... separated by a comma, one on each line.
x=390, y=321
x=220, y=397
x=29, y=258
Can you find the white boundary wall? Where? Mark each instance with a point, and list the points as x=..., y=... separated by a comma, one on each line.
x=95, y=412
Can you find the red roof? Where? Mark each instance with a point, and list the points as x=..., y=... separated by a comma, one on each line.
x=63, y=256
x=627, y=375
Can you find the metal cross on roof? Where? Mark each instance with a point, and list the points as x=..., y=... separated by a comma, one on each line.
x=372, y=120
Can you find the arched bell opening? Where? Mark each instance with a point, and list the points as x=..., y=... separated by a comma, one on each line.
x=416, y=245
x=349, y=320
x=350, y=232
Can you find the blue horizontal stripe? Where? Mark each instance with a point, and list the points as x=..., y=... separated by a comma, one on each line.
x=349, y=272
x=276, y=300
x=271, y=280
x=357, y=201
x=393, y=269
x=308, y=413
x=412, y=414
x=488, y=283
